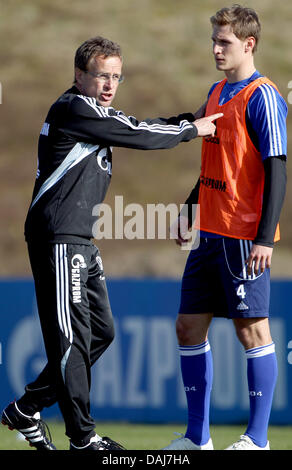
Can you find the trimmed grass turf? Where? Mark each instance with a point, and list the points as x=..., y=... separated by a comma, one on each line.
x=147, y=436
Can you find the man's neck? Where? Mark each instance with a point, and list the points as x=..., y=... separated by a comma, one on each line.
x=242, y=73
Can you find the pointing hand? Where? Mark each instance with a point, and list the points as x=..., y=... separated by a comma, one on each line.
x=205, y=126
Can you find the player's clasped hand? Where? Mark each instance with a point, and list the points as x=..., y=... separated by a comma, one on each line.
x=205, y=125
x=179, y=230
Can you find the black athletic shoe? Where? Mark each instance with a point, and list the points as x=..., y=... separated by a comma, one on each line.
x=105, y=443
x=32, y=427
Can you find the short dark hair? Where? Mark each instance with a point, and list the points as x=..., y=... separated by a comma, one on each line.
x=96, y=46
x=243, y=21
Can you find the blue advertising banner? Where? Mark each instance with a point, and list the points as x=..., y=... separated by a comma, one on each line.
x=138, y=377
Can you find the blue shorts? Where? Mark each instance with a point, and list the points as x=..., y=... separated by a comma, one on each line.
x=215, y=281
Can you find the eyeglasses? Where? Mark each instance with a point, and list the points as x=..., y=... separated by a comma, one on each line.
x=105, y=77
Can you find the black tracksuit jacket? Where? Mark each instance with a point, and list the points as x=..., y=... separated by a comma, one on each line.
x=75, y=162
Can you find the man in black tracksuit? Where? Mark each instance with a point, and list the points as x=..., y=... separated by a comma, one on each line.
x=74, y=172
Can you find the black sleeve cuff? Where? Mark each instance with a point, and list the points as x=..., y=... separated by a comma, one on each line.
x=191, y=201
x=273, y=199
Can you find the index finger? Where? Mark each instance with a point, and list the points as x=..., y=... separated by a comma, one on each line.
x=212, y=117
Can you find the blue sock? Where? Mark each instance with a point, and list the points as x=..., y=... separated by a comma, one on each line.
x=197, y=374
x=262, y=374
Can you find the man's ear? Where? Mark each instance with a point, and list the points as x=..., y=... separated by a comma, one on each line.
x=250, y=44
x=78, y=74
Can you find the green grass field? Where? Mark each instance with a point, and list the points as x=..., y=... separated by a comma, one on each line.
x=148, y=437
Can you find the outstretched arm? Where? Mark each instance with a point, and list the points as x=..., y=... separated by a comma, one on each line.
x=88, y=121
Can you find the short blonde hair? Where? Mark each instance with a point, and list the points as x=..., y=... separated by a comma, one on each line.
x=243, y=21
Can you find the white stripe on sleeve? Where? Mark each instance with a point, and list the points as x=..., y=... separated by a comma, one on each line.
x=269, y=95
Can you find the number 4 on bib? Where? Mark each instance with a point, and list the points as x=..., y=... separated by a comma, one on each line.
x=240, y=291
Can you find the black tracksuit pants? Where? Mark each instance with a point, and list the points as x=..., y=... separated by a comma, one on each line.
x=77, y=327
